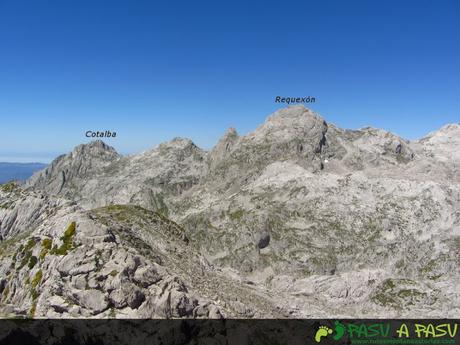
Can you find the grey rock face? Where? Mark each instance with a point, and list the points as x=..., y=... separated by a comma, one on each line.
x=21, y=211
x=147, y=276
x=93, y=300
x=147, y=179
x=77, y=273
x=62, y=175
x=298, y=218
x=127, y=295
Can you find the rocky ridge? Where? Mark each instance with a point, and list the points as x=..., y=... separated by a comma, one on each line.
x=298, y=218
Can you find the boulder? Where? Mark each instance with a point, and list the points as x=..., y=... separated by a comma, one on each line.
x=93, y=300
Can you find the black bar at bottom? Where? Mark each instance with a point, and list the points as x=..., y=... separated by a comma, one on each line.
x=244, y=332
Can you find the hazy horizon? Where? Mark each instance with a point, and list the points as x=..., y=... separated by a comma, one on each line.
x=47, y=158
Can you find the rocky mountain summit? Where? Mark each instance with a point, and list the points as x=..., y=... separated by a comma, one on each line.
x=298, y=218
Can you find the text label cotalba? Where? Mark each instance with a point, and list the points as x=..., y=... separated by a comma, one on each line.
x=100, y=134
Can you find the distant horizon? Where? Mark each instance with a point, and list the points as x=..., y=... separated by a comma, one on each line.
x=18, y=171
x=47, y=158
x=23, y=163
x=20, y=160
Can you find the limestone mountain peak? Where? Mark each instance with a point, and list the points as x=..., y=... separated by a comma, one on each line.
x=178, y=142
x=451, y=129
x=294, y=122
x=231, y=131
x=295, y=207
x=83, y=160
x=94, y=148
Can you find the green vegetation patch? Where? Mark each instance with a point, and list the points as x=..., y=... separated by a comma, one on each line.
x=237, y=215
x=43, y=253
x=384, y=299
x=429, y=267
x=67, y=241
x=34, y=293
x=7, y=205
x=9, y=187
x=32, y=262
x=7, y=247
x=32, y=310
x=37, y=279
x=132, y=215
x=46, y=247
x=410, y=293
x=30, y=244
x=46, y=243
x=396, y=293
x=70, y=231
x=26, y=253
x=21, y=255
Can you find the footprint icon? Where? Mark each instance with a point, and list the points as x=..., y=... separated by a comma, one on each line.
x=322, y=331
x=339, y=330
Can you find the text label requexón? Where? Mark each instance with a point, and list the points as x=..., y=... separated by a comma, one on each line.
x=289, y=100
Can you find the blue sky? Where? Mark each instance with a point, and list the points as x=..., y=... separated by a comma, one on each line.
x=153, y=70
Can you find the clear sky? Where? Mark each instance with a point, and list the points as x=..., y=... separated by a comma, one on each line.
x=153, y=70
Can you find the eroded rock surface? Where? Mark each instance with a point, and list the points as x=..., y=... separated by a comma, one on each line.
x=298, y=218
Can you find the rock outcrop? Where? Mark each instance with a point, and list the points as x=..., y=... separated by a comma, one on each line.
x=64, y=175
x=298, y=218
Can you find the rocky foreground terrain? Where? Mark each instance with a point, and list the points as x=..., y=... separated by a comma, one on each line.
x=297, y=219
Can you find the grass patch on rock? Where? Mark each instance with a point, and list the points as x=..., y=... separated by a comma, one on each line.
x=47, y=244
x=9, y=187
x=37, y=279
x=25, y=251
x=32, y=310
x=67, y=241
x=237, y=215
x=397, y=293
